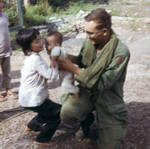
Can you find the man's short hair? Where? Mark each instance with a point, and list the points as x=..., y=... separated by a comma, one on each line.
x=101, y=17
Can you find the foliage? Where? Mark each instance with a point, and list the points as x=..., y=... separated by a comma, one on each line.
x=32, y=20
x=11, y=11
x=75, y=7
x=37, y=15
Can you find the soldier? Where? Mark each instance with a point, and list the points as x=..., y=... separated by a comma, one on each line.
x=101, y=71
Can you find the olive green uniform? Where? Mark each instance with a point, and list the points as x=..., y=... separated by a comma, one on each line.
x=105, y=96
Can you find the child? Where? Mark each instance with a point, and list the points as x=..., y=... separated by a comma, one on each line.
x=5, y=53
x=33, y=92
x=57, y=52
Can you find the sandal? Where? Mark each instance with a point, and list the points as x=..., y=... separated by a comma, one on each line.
x=2, y=98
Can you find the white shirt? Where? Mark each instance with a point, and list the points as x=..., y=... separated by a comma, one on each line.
x=5, y=47
x=33, y=89
x=59, y=51
x=66, y=77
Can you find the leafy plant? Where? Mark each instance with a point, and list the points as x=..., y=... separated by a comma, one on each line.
x=11, y=11
x=37, y=15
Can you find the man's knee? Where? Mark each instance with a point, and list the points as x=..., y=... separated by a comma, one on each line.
x=74, y=109
x=72, y=113
x=67, y=115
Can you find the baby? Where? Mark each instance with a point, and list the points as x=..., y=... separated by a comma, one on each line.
x=57, y=52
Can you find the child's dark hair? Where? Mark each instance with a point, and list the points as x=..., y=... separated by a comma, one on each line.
x=25, y=37
x=58, y=36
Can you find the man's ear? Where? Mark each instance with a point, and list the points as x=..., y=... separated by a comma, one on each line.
x=105, y=31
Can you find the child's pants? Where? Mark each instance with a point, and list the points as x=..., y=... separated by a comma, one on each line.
x=5, y=66
x=46, y=121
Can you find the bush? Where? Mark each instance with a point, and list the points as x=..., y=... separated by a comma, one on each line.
x=11, y=11
x=30, y=20
x=37, y=15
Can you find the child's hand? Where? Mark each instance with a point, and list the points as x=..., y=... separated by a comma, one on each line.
x=68, y=66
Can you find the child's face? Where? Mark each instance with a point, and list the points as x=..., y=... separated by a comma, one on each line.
x=37, y=44
x=50, y=43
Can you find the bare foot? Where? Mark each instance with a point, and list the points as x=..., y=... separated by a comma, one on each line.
x=2, y=98
x=10, y=94
x=27, y=128
x=49, y=144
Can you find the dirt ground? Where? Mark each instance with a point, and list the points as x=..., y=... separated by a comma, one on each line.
x=136, y=96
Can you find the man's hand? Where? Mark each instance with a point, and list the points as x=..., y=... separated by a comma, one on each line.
x=69, y=66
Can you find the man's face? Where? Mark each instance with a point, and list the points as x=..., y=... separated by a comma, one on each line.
x=94, y=34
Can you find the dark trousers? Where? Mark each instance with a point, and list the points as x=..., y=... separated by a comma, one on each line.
x=46, y=121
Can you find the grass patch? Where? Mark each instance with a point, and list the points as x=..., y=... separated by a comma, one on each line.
x=125, y=3
x=11, y=11
x=75, y=7
x=116, y=12
x=37, y=15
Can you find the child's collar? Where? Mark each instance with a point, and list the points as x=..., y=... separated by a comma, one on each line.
x=36, y=53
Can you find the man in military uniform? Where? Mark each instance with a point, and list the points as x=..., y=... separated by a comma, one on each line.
x=100, y=70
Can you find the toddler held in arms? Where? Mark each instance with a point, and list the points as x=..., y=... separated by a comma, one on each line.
x=58, y=52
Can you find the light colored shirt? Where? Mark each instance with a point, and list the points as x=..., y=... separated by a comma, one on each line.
x=60, y=52
x=33, y=89
x=5, y=46
x=67, y=78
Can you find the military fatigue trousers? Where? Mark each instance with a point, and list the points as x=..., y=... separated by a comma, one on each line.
x=111, y=117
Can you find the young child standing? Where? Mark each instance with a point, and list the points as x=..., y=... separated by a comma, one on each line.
x=5, y=53
x=57, y=52
x=33, y=91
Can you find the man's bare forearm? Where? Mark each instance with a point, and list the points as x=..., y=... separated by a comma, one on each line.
x=73, y=59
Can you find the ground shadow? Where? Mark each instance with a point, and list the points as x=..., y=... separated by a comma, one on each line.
x=138, y=132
